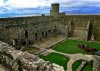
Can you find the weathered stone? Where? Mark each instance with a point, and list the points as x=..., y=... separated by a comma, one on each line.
x=17, y=60
x=96, y=63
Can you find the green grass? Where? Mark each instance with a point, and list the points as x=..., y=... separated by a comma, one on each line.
x=87, y=67
x=57, y=59
x=71, y=46
x=75, y=65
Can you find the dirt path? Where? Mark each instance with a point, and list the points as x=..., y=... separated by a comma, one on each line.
x=73, y=58
x=46, y=43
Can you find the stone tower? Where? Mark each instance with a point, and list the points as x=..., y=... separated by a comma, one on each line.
x=55, y=9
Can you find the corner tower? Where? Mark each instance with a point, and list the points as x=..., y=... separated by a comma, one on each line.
x=54, y=9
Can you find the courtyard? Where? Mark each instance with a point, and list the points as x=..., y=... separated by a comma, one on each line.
x=71, y=46
x=67, y=52
x=48, y=42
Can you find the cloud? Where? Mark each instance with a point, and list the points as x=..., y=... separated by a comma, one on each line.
x=90, y=0
x=36, y=3
x=1, y=3
x=61, y=1
x=26, y=3
x=18, y=4
x=43, y=6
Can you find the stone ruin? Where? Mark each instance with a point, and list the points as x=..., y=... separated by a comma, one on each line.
x=23, y=31
x=16, y=60
x=96, y=63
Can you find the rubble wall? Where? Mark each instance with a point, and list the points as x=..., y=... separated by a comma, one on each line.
x=16, y=60
x=96, y=63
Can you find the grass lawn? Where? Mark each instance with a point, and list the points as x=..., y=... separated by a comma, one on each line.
x=71, y=46
x=57, y=59
x=87, y=67
x=76, y=65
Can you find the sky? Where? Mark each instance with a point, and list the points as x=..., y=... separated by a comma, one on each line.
x=15, y=8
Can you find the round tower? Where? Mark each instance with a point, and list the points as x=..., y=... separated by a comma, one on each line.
x=54, y=9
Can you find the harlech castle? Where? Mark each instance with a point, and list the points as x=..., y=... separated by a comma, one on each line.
x=23, y=31
x=28, y=30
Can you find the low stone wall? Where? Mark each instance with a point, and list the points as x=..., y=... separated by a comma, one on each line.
x=81, y=66
x=16, y=60
x=96, y=63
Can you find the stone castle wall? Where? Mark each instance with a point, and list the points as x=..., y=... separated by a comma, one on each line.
x=28, y=30
x=32, y=29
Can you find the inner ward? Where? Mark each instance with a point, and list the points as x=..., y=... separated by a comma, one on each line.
x=48, y=30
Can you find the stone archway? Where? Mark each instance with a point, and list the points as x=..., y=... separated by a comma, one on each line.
x=15, y=42
x=24, y=43
x=43, y=34
x=49, y=33
x=26, y=33
x=46, y=34
x=36, y=36
x=90, y=32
